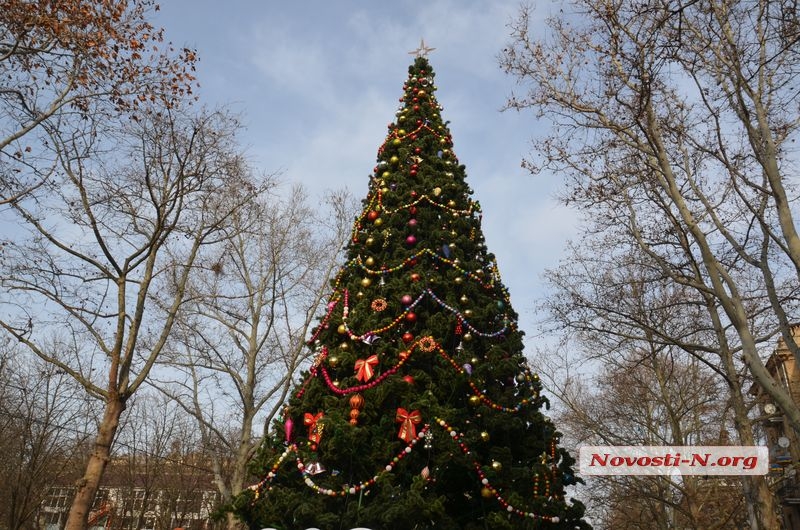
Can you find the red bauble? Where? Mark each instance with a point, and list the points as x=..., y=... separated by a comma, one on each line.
x=415, y=277
x=406, y=299
x=372, y=215
x=417, y=150
x=413, y=194
x=408, y=379
x=416, y=107
x=412, y=209
x=411, y=317
x=408, y=337
x=411, y=240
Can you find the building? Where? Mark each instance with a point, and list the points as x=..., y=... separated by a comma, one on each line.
x=135, y=496
x=782, y=441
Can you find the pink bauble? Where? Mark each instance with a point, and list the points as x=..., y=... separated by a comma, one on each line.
x=287, y=426
x=406, y=299
x=411, y=240
x=412, y=223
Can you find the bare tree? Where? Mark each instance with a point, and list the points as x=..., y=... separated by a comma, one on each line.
x=62, y=63
x=96, y=273
x=43, y=420
x=242, y=337
x=648, y=385
x=675, y=120
x=673, y=124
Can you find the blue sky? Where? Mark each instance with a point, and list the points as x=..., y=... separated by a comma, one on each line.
x=316, y=83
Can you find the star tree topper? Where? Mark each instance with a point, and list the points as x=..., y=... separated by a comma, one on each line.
x=423, y=49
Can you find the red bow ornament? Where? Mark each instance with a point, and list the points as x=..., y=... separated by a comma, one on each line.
x=314, y=429
x=408, y=420
x=365, y=368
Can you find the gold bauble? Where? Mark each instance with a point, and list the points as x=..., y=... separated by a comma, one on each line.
x=360, y=294
x=474, y=400
x=464, y=299
x=468, y=312
x=394, y=159
x=366, y=282
x=370, y=261
x=486, y=493
x=437, y=191
x=384, y=190
x=485, y=436
x=497, y=466
x=378, y=221
x=342, y=329
x=333, y=360
x=467, y=337
x=459, y=280
x=370, y=241
x=344, y=346
x=451, y=203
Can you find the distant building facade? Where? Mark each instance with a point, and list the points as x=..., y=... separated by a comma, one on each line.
x=781, y=439
x=168, y=497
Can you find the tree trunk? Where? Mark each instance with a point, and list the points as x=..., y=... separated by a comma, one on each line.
x=90, y=483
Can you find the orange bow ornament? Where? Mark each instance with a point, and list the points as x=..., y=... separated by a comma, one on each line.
x=408, y=420
x=314, y=430
x=365, y=368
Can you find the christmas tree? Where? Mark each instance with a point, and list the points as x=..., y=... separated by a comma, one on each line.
x=419, y=409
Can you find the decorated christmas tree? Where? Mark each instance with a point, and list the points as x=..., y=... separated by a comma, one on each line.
x=420, y=409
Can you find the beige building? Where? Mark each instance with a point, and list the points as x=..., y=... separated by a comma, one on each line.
x=782, y=441
x=131, y=498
